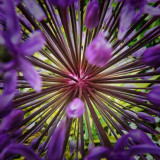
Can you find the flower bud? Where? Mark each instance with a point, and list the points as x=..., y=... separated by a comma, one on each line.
x=99, y=51
x=153, y=96
x=151, y=56
x=92, y=15
x=75, y=108
x=146, y=117
x=145, y=129
x=154, y=112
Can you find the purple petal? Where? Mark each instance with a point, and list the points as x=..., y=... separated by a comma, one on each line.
x=151, y=56
x=121, y=143
x=5, y=140
x=126, y=17
x=99, y=51
x=12, y=121
x=143, y=149
x=140, y=137
x=23, y=150
x=131, y=114
x=17, y=134
x=33, y=44
x=56, y=144
x=139, y=52
x=6, y=104
x=154, y=11
x=97, y=153
x=2, y=41
x=76, y=108
x=118, y=156
x=153, y=96
x=33, y=142
x=35, y=9
x=31, y=74
x=12, y=23
x=146, y=117
x=10, y=82
x=92, y=15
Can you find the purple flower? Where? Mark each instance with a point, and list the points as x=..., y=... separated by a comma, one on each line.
x=151, y=56
x=12, y=40
x=62, y=3
x=119, y=152
x=154, y=95
x=92, y=15
x=128, y=13
x=76, y=108
x=55, y=148
x=99, y=51
x=146, y=117
x=12, y=121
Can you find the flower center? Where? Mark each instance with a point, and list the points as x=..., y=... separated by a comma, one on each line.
x=79, y=81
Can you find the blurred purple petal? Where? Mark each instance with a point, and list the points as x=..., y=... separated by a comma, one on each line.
x=2, y=41
x=5, y=140
x=121, y=143
x=76, y=108
x=140, y=137
x=31, y=74
x=143, y=149
x=126, y=18
x=12, y=23
x=56, y=144
x=10, y=82
x=97, y=153
x=99, y=51
x=6, y=104
x=12, y=121
x=151, y=56
x=92, y=15
x=33, y=44
x=154, y=96
x=154, y=11
x=35, y=9
x=139, y=52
